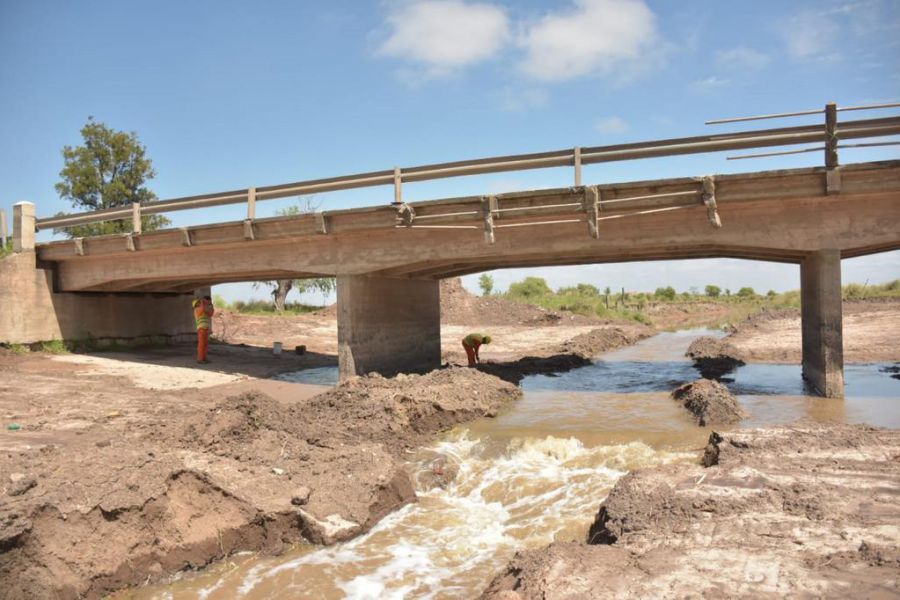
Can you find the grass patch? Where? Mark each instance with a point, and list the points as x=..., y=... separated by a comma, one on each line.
x=263, y=307
x=55, y=347
x=7, y=249
x=586, y=299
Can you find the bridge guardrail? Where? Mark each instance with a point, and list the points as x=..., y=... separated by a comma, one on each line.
x=829, y=133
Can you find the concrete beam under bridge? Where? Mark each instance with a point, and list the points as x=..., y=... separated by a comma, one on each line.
x=822, y=322
x=388, y=325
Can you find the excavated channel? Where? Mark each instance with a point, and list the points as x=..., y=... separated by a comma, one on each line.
x=531, y=476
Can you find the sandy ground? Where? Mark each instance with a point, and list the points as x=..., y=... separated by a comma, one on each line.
x=131, y=466
x=801, y=511
x=871, y=334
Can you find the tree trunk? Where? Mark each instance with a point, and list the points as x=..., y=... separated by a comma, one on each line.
x=282, y=287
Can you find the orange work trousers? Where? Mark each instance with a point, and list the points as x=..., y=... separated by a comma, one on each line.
x=202, y=343
x=470, y=352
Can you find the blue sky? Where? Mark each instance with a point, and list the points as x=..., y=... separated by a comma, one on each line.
x=235, y=94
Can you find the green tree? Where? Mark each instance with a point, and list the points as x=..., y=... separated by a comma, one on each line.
x=713, y=291
x=746, y=292
x=282, y=287
x=486, y=283
x=586, y=289
x=529, y=288
x=771, y=293
x=667, y=293
x=108, y=171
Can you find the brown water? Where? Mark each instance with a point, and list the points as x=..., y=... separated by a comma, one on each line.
x=533, y=475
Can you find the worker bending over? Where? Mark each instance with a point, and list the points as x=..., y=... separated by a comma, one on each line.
x=472, y=343
x=203, y=312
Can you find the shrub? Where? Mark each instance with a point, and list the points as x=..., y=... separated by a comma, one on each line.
x=713, y=291
x=529, y=288
x=746, y=292
x=666, y=293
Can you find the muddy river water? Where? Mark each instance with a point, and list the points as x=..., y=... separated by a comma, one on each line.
x=535, y=474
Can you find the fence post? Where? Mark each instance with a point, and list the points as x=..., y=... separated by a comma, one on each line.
x=398, y=183
x=577, y=161
x=23, y=226
x=136, y=217
x=251, y=204
x=831, y=141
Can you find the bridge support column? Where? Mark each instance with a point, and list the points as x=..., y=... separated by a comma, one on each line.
x=388, y=325
x=823, y=342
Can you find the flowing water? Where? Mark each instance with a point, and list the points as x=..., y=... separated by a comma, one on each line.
x=535, y=474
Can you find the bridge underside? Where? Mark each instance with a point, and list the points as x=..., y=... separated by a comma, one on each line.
x=796, y=216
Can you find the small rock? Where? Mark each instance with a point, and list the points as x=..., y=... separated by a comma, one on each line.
x=301, y=496
x=277, y=471
x=14, y=477
x=103, y=443
x=21, y=486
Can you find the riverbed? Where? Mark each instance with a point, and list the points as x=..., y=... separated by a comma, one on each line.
x=532, y=475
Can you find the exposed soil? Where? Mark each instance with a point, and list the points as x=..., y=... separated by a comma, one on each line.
x=108, y=484
x=710, y=402
x=575, y=352
x=460, y=307
x=713, y=357
x=799, y=511
x=870, y=333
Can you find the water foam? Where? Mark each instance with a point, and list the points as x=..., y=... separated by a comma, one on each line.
x=523, y=495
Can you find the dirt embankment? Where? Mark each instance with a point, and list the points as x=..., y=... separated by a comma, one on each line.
x=714, y=357
x=120, y=499
x=871, y=331
x=710, y=402
x=575, y=352
x=805, y=511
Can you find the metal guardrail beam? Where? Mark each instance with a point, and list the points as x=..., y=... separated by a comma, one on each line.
x=785, y=136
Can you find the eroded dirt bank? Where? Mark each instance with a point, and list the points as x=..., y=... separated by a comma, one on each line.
x=804, y=510
x=870, y=333
x=116, y=498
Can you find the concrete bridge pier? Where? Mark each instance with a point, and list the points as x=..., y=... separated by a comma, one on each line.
x=387, y=325
x=820, y=306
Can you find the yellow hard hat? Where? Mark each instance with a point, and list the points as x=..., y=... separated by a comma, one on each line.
x=486, y=339
x=195, y=303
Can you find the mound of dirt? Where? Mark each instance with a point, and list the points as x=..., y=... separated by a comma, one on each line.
x=459, y=307
x=575, y=352
x=806, y=510
x=710, y=402
x=85, y=518
x=713, y=357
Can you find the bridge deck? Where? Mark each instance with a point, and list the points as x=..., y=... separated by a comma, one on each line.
x=773, y=215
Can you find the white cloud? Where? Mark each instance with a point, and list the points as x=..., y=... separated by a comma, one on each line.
x=445, y=35
x=522, y=100
x=742, y=58
x=709, y=84
x=605, y=37
x=808, y=34
x=611, y=126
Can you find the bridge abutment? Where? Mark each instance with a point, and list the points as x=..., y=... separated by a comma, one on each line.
x=822, y=328
x=388, y=326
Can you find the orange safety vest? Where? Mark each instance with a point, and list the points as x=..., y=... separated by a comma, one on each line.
x=473, y=340
x=203, y=315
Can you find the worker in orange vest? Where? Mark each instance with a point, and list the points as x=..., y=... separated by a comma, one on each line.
x=472, y=343
x=203, y=312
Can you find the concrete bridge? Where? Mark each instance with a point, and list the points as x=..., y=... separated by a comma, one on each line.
x=388, y=260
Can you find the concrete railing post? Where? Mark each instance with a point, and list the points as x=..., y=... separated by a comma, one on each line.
x=23, y=227
x=821, y=322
